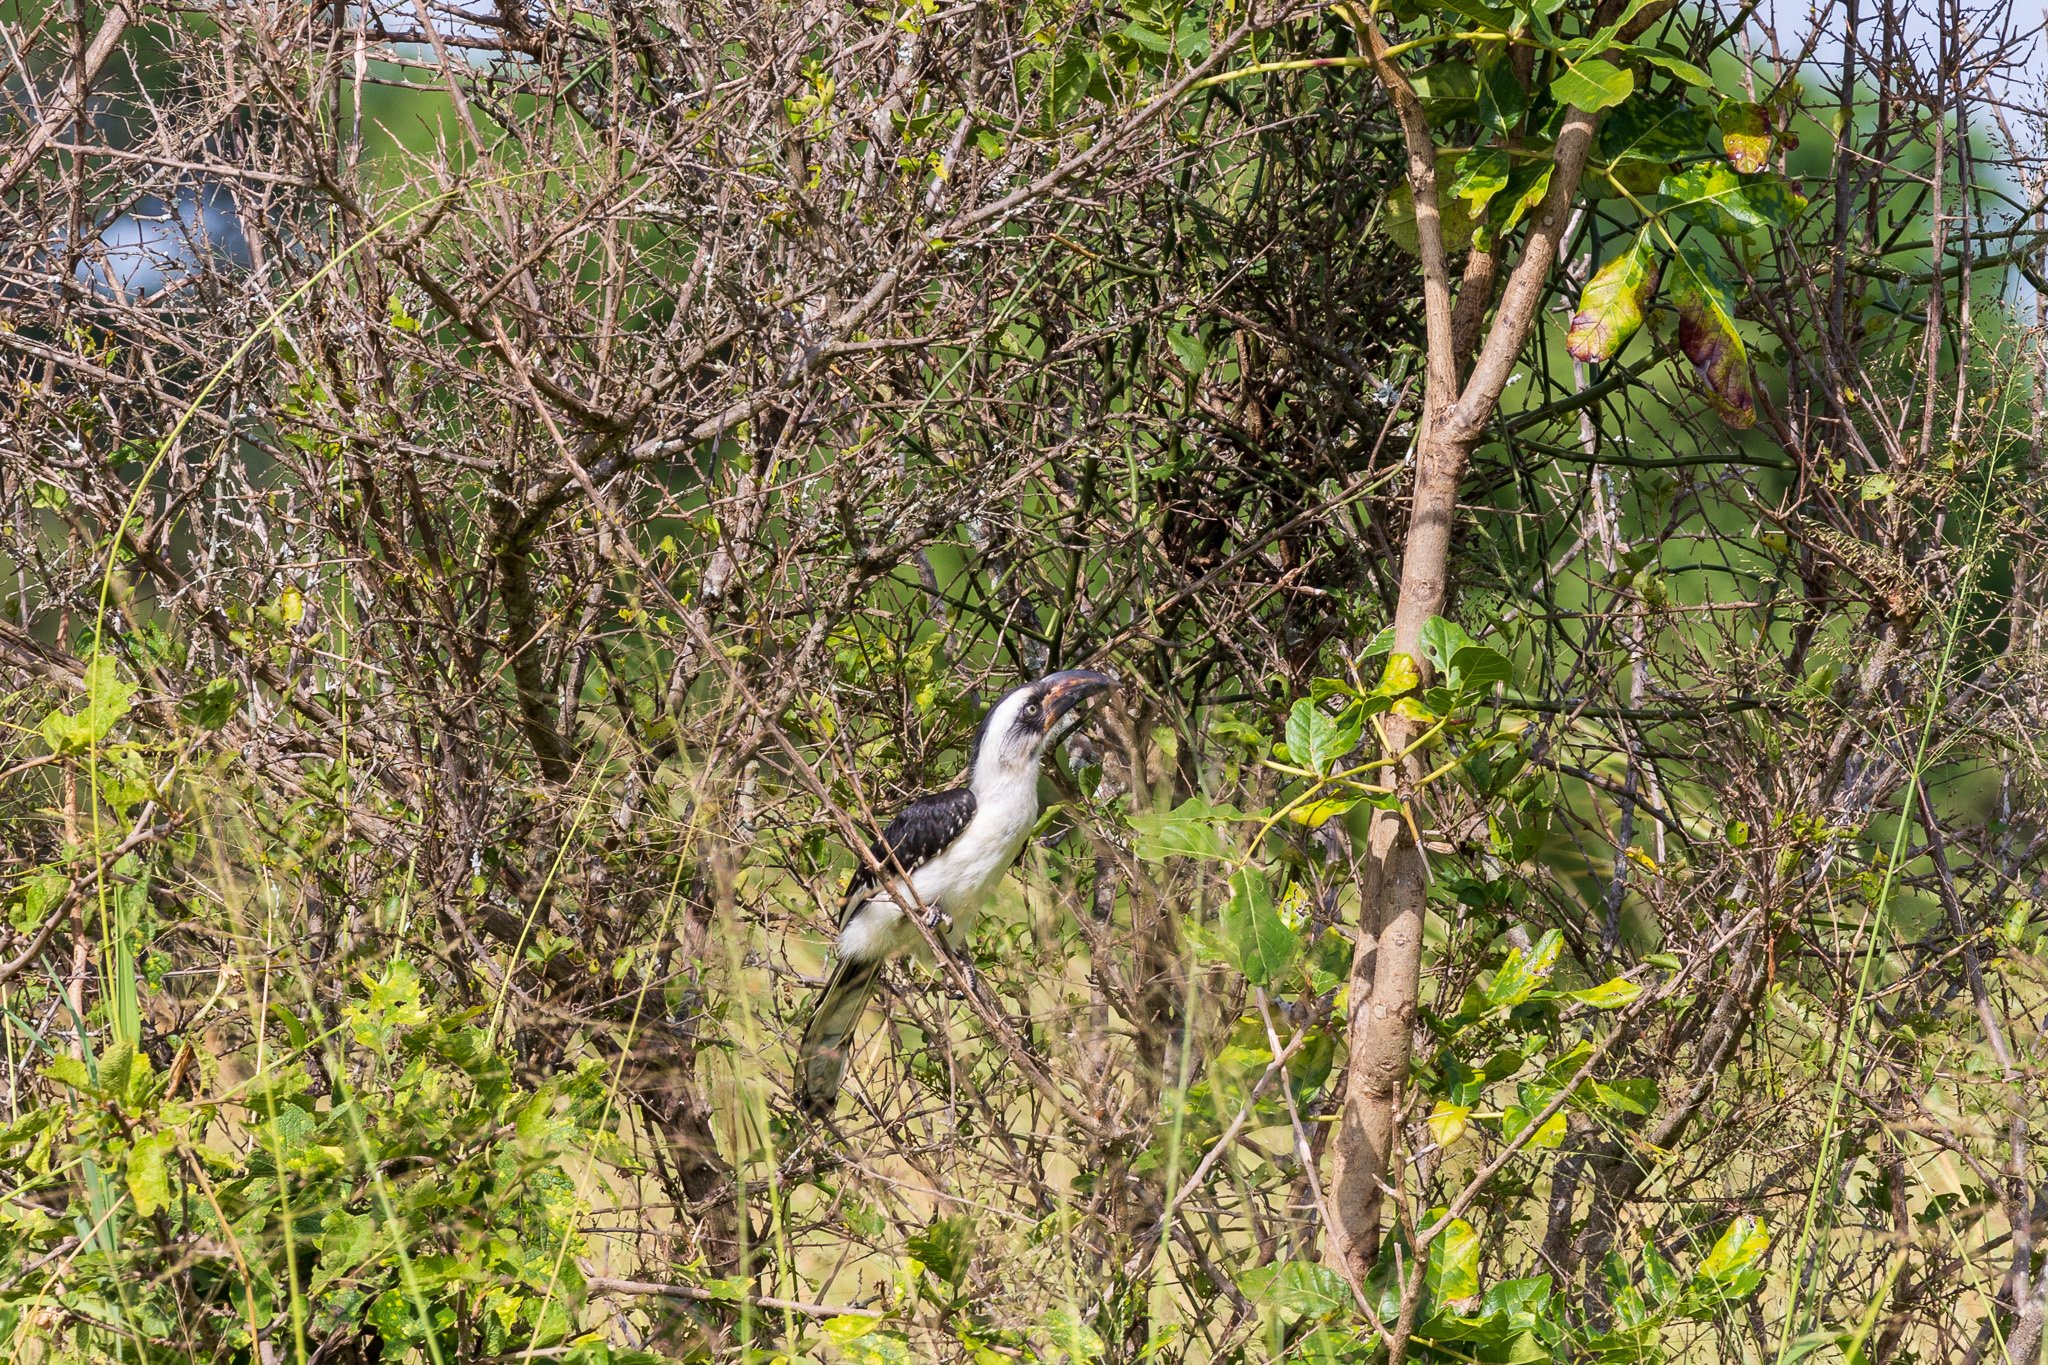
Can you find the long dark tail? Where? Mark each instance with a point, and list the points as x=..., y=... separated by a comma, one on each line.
x=821, y=1057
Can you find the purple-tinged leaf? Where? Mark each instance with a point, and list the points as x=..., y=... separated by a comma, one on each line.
x=1611, y=305
x=1707, y=335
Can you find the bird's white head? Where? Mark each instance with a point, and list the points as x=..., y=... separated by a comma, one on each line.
x=1017, y=730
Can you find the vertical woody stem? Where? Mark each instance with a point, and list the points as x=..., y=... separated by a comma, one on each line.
x=1386, y=969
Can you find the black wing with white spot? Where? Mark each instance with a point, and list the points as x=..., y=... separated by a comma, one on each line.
x=922, y=832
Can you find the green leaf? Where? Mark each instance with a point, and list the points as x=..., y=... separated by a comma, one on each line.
x=1516, y=1117
x=1709, y=195
x=1593, y=84
x=1526, y=188
x=1561, y=1070
x=1256, y=940
x=1652, y=130
x=1482, y=173
x=946, y=1247
x=65, y=734
x=1772, y=197
x=1074, y=78
x=1319, y=741
x=1677, y=66
x=1453, y=1261
x=1496, y=18
x=1519, y=976
x=39, y=893
x=1447, y=89
x=1441, y=640
x=1643, y=141
x=106, y=701
x=1745, y=134
x=1735, y=1253
x=1631, y=1095
x=1611, y=305
x=1624, y=1300
x=1480, y=666
x=71, y=1072
x=1145, y=38
x=346, y=1240
x=1608, y=995
x=872, y=1347
x=1294, y=1290
x=1658, y=1275
x=1398, y=220
x=1073, y=1336
x=1188, y=349
x=149, y=1172
x=1707, y=335
x=1193, y=829
x=106, y=696
x=212, y=706
x=1502, y=98
x=1519, y=1300
x=401, y=320
x=394, y=1317
x=116, y=1069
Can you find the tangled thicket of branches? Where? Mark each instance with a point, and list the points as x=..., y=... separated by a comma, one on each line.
x=498, y=499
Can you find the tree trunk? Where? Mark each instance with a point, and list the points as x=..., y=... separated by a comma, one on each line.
x=1386, y=970
x=1457, y=411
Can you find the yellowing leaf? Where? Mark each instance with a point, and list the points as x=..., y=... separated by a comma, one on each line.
x=1400, y=675
x=149, y=1177
x=1611, y=305
x=1316, y=814
x=1410, y=709
x=1453, y=1271
x=1745, y=135
x=1733, y=1268
x=106, y=701
x=1521, y=974
x=1448, y=1122
x=1549, y=1136
x=1608, y=995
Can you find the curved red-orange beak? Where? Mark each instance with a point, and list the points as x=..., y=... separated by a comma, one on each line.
x=1062, y=692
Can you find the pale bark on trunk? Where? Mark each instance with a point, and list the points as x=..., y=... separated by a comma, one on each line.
x=1457, y=411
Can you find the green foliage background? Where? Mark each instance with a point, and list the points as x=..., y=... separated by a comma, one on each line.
x=454, y=637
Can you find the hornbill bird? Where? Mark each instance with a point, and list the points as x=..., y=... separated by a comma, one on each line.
x=951, y=848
